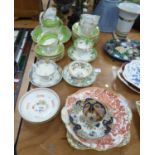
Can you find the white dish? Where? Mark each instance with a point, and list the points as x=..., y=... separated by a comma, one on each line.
x=39, y=105
x=131, y=73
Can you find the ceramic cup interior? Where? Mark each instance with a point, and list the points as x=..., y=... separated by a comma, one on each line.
x=80, y=69
x=45, y=70
x=49, y=41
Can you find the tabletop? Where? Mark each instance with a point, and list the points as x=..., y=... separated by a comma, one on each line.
x=50, y=138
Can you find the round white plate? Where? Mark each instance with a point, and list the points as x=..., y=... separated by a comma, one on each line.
x=39, y=105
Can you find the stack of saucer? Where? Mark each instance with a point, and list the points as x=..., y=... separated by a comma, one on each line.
x=82, y=50
x=79, y=74
x=87, y=27
x=49, y=48
x=96, y=119
x=45, y=74
x=49, y=22
x=129, y=74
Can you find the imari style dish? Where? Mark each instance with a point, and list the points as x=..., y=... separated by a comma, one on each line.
x=121, y=77
x=132, y=73
x=47, y=53
x=63, y=33
x=45, y=74
x=122, y=49
x=96, y=119
x=79, y=75
x=77, y=32
x=82, y=50
x=39, y=105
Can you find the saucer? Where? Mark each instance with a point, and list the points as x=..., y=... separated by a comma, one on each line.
x=131, y=73
x=78, y=82
x=63, y=33
x=120, y=76
x=39, y=50
x=57, y=55
x=49, y=83
x=123, y=50
x=39, y=105
x=77, y=32
x=77, y=56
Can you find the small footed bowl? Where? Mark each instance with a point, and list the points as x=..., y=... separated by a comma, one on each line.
x=80, y=69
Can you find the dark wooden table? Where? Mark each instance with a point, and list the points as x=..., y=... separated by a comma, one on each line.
x=50, y=138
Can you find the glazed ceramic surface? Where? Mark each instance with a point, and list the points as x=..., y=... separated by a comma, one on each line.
x=39, y=105
x=78, y=82
x=120, y=76
x=122, y=49
x=63, y=33
x=77, y=31
x=88, y=23
x=50, y=81
x=56, y=55
x=128, y=12
x=119, y=134
x=132, y=73
x=90, y=119
x=80, y=69
x=76, y=55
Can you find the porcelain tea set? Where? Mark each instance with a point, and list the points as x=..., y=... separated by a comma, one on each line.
x=95, y=118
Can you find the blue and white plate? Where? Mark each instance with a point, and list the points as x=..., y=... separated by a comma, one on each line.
x=132, y=73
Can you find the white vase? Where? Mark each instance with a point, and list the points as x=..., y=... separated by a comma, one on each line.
x=128, y=12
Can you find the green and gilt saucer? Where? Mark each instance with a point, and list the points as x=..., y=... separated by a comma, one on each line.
x=63, y=33
x=40, y=50
x=77, y=32
x=82, y=56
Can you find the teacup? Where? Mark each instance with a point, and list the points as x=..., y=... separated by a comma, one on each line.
x=83, y=45
x=44, y=70
x=80, y=69
x=128, y=12
x=88, y=23
x=49, y=18
x=49, y=41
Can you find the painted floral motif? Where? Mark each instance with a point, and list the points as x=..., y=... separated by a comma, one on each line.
x=123, y=50
x=121, y=119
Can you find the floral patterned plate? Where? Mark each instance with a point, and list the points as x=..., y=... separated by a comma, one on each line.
x=131, y=73
x=123, y=50
x=121, y=113
x=120, y=76
x=39, y=105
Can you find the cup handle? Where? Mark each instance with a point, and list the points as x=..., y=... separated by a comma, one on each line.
x=40, y=18
x=97, y=70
